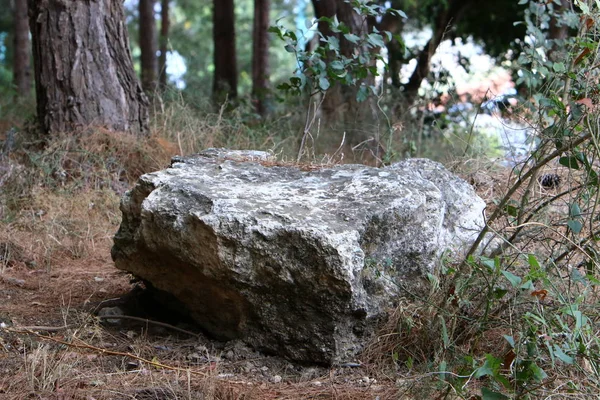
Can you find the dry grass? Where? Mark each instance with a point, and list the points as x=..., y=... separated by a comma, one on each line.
x=59, y=210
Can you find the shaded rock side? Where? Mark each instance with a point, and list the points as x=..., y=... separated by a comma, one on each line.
x=300, y=263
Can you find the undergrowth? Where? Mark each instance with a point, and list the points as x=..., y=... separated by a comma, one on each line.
x=518, y=319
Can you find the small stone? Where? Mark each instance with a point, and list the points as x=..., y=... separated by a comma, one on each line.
x=276, y=379
x=131, y=365
x=248, y=367
x=110, y=312
x=317, y=383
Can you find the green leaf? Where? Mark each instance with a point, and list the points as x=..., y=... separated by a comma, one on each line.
x=575, y=226
x=533, y=262
x=488, y=262
x=512, y=278
x=337, y=65
x=351, y=37
x=308, y=23
x=398, y=12
x=487, y=394
x=489, y=367
x=559, y=67
x=569, y=162
x=334, y=43
x=296, y=81
x=558, y=352
x=442, y=368
x=375, y=39
x=445, y=338
x=511, y=210
x=538, y=373
x=574, y=210
x=324, y=83
x=528, y=285
x=510, y=340
x=362, y=94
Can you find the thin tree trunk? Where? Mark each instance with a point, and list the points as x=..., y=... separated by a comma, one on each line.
x=393, y=23
x=21, y=65
x=164, y=41
x=225, y=76
x=148, y=46
x=454, y=10
x=558, y=32
x=83, y=69
x=260, y=54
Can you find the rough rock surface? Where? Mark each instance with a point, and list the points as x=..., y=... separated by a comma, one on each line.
x=301, y=262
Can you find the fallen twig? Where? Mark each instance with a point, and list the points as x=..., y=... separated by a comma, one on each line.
x=149, y=321
x=84, y=345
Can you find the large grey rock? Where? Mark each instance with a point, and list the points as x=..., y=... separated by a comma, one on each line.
x=302, y=262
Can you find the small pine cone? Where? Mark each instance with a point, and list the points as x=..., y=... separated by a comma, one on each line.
x=549, y=181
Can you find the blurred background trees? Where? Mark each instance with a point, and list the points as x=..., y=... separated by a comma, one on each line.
x=423, y=66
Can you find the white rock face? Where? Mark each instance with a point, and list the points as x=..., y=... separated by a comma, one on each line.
x=301, y=263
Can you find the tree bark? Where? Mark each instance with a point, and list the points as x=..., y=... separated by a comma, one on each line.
x=83, y=69
x=260, y=55
x=340, y=104
x=393, y=23
x=21, y=65
x=148, y=46
x=558, y=32
x=225, y=76
x=165, y=23
x=451, y=14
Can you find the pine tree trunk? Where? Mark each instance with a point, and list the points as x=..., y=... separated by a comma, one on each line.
x=148, y=46
x=225, y=76
x=165, y=23
x=260, y=54
x=83, y=69
x=21, y=65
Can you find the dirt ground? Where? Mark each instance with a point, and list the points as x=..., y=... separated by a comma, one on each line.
x=53, y=345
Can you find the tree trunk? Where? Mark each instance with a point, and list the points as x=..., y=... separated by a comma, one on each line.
x=164, y=41
x=83, y=69
x=451, y=14
x=558, y=32
x=340, y=105
x=225, y=77
x=148, y=46
x=260, y=54
x=21, y=65
x=393, y=23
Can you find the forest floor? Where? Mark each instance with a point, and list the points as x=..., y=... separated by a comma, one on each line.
x=52, y=346
x=59, y=209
